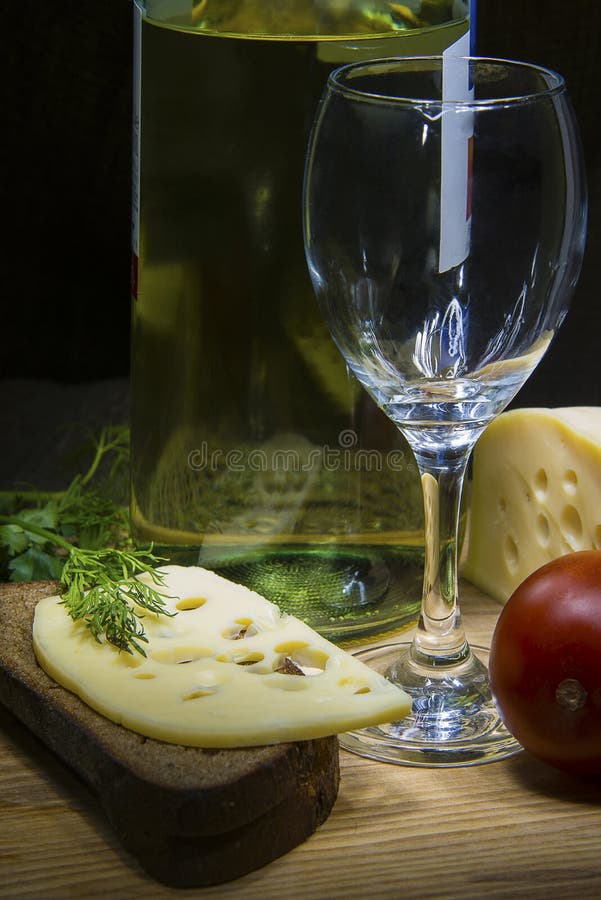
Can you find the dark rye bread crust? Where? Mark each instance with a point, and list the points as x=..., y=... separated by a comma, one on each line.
x=191, y=817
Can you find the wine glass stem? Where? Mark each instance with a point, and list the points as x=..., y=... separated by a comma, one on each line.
x=440, y=639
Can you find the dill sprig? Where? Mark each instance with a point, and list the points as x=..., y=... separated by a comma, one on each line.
x=81, y=538
x=100, y=587
x=86, y=510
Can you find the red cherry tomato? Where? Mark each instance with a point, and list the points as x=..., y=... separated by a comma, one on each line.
x=545, y=663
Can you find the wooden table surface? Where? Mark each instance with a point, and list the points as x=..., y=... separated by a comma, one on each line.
x=515, y=828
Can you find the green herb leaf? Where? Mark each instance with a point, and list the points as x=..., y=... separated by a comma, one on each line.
x=45, y=517
x=13, y=539
x=35, y=565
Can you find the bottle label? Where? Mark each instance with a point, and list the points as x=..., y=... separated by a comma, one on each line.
x=472, y=27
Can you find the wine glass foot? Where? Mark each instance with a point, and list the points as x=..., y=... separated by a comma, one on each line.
x=453, y=720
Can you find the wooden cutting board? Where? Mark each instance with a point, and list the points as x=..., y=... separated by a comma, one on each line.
x=511, y=829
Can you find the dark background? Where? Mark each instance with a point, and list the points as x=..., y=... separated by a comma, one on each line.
x=65, y=184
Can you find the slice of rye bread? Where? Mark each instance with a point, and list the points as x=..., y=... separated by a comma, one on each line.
x=191, y=817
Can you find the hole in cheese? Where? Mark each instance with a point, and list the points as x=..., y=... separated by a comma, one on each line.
x=200, y=692
x=597, y=538
x=352, y=682
x=510, y=551
x=571, y=524
x=287, y=666
x=543, y=531
x=310, y=661
x=128, y=660
x=570, y=481
x=144, y=676
x=541, y=483
x=248, y=659
x=187, y=603
x=241, y=628
x=289, y=647
x=241, y=657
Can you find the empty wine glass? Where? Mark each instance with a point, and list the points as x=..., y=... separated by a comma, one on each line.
x=444, y=224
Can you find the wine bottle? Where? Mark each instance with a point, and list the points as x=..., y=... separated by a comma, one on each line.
x=254, y=452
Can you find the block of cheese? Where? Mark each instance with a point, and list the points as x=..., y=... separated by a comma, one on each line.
x=536, y=494
x=227, y=670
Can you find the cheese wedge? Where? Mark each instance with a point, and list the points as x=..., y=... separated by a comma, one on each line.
x=536, y=494
x=228, y=670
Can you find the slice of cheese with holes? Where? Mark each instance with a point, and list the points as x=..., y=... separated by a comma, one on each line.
x=536, y=494
x=228, y=670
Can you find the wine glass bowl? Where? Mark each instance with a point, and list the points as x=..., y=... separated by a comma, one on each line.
x=444, y=225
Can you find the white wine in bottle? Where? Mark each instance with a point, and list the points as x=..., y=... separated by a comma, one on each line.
x=253, y=451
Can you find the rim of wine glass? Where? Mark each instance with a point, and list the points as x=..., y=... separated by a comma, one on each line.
x=337, y=81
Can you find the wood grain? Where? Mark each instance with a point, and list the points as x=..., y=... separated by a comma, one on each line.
x=509, y=829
